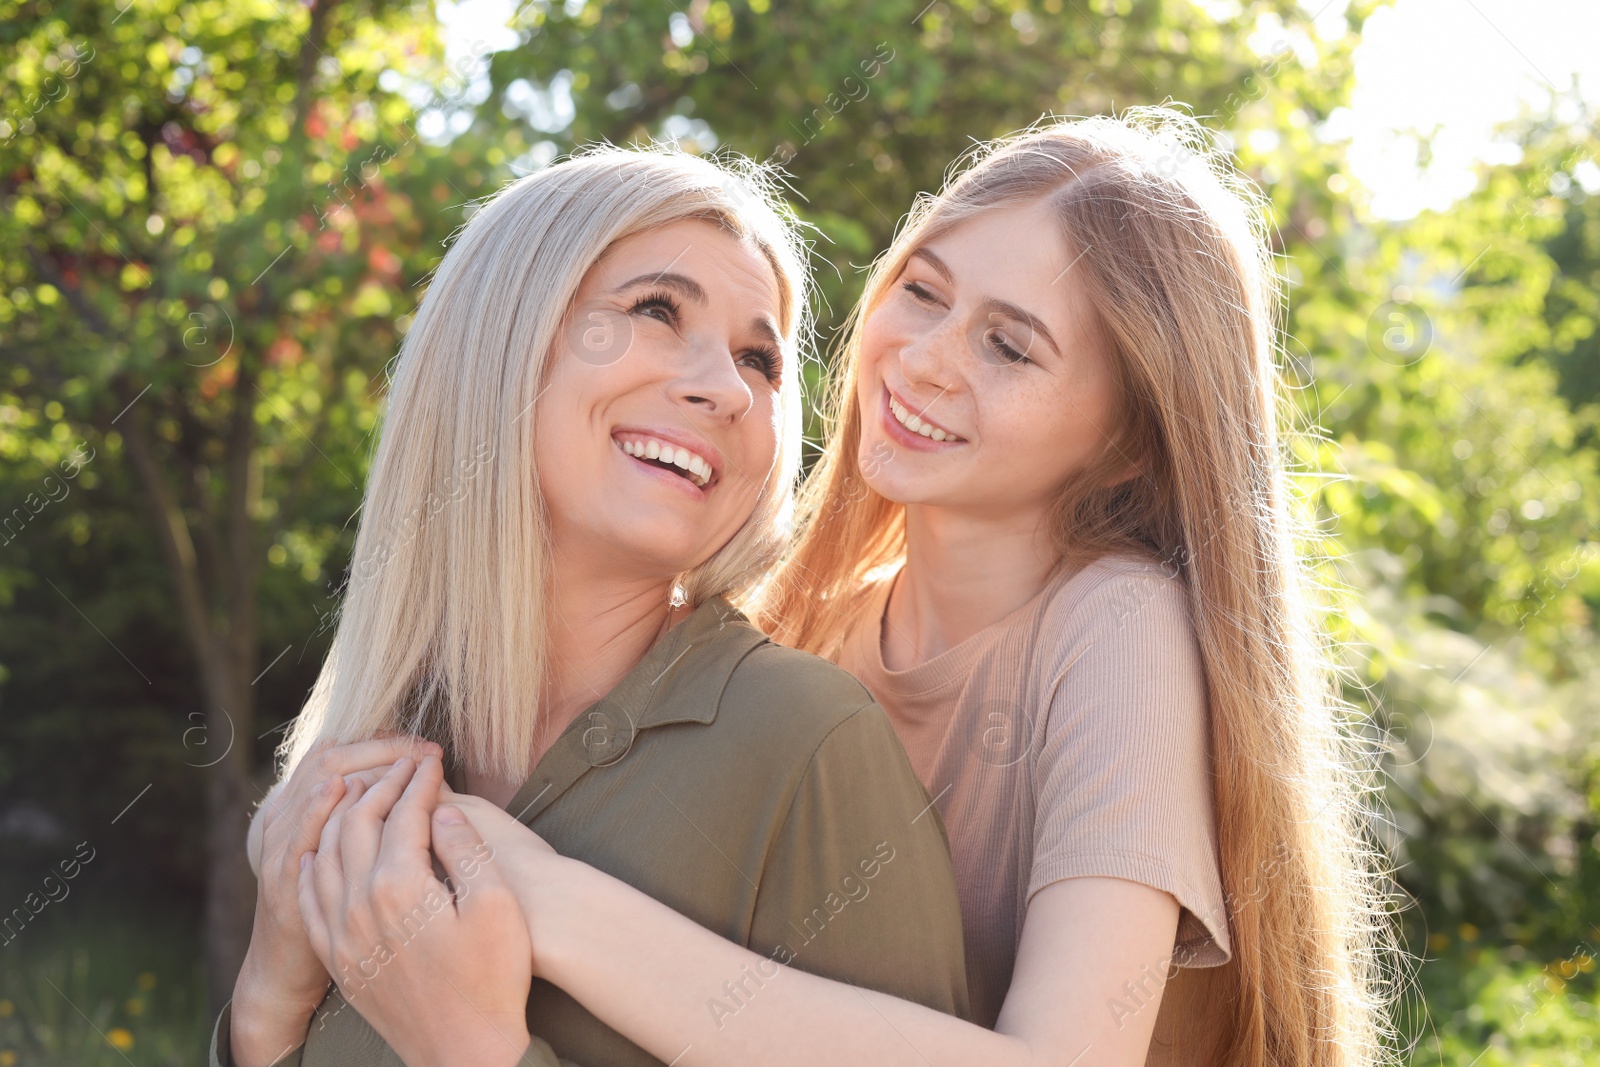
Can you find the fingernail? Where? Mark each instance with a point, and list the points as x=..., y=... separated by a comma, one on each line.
x=450, y=816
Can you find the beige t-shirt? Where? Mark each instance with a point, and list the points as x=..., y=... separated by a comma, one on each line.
x=1068, y=739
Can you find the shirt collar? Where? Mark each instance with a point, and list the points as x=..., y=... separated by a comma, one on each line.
x=681, y=679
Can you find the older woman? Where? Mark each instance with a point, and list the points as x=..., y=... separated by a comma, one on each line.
x=590, y=447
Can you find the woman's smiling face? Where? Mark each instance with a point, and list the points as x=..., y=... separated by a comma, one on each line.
x=982, y=381
x=658, y=423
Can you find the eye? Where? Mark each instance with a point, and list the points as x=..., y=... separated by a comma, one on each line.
x=919, y=293
x=659, y=306
x=764, y=358
x=997, y=342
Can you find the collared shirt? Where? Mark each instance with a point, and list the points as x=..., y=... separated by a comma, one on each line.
x=757, y=790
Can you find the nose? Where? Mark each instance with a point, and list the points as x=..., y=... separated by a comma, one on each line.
x=928, y=357
x=709, y=380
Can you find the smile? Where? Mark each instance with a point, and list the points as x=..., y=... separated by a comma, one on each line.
x=668, y=456
x=918, y=425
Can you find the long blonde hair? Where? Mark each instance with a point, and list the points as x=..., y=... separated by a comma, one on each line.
x=443, y=624
x=1174, y=261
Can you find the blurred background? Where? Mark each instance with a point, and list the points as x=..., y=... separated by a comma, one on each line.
x=217, y=217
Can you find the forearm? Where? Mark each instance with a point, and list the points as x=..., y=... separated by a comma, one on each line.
x=263, y=1029
x=671, y=985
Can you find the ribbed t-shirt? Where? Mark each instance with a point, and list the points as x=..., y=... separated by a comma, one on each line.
x=1068, y=739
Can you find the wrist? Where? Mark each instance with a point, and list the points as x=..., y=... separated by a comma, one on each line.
x=500, y=1045
x=268, y=1022
x=556, y=900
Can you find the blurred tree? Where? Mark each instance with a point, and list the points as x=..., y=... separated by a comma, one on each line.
x=210, y=220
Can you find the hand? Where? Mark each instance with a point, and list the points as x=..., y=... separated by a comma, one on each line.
x=440, y=975
x=282, y=981
x=541, y=878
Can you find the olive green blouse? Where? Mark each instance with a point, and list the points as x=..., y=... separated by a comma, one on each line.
x=755, y=789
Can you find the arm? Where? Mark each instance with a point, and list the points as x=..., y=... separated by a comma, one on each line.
x=648, y=972
x=670, y=985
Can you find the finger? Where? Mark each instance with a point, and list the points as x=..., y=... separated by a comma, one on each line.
x=363, y=827
x=330, y=878
x=406, y=833
x=371, y=759
x=380, y=752
x=311, y=915
x=293, y=832
x=323, y=800
x=464, y=853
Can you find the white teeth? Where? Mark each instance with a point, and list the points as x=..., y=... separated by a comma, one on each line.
x=697, y=468
x=916, y=425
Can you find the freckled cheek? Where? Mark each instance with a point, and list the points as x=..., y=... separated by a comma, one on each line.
x=883, y=333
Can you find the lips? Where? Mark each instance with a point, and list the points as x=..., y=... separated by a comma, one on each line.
x=905, y=425
x=693, y=463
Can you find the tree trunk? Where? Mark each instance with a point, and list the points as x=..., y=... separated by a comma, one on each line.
x=221, y=627
x=230, y=886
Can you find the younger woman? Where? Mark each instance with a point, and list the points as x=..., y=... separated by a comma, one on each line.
x=1051, y=532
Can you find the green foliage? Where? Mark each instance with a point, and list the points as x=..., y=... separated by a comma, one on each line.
x=216, y=219
x=1493, y=1008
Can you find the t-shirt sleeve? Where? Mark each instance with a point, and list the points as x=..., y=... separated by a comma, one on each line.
x=857, y=886
x=1125, y=769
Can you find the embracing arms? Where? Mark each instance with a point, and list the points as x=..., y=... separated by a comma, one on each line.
x=648, y=972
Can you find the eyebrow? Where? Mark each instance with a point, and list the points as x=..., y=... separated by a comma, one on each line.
x=992, y=305
x=681, y=284
x=767, y=331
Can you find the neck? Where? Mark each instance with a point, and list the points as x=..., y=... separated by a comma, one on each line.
x=963, y=573
x=601, y=626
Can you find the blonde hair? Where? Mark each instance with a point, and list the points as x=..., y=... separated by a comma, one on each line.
x=1175, y=263
x=442, y=629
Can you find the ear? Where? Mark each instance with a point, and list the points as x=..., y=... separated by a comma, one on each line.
x=1122, y=461
x=1122, y=472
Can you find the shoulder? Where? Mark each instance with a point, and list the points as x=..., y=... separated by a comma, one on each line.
x=792, y=695
x=1118, y=645
x=1122, y=603
x=1116, y=586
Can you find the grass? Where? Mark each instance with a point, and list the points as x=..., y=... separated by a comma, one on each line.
x=103, y=983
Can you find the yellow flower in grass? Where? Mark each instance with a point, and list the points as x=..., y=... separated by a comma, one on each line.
x=147, y=980
x=133, y=1006
x=120, y=1039
x=6, y=1008
x=8, y=1058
